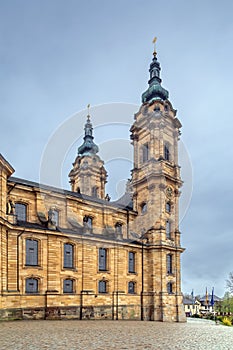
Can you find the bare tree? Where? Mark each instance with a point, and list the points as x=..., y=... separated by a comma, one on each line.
x=230, y=282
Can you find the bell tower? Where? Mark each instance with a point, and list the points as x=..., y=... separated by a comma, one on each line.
x=88, y=175
x=156, y=185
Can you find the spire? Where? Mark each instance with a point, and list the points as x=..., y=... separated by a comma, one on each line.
x=155, y=90
x=88, y=147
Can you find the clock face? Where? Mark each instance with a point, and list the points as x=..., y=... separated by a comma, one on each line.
x=169, y=192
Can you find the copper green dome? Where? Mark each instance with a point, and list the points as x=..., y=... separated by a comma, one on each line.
x=155, y=90
x=88, y=147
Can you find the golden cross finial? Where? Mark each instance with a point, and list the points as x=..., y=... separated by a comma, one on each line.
x=154, y=42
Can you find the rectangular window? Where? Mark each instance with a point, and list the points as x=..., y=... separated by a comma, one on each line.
x=168, y=229
x=145, y=152
x=68, y=255
x=131, y=262
x=169, y=263
x=31, y=252
x=68, y=286
x=102, y=287
x=21, y=211
x=31, y=285
x=169, y=288
x=166, y=153
x=102, y=259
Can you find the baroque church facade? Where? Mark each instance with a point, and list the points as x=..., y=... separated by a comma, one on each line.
x=75, y=254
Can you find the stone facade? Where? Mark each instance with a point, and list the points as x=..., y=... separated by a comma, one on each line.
x=76, y=254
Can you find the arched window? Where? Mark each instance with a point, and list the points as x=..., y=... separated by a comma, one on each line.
x=87, y=222
x=31, y=252
x=169, y=264
x=131, y=262
x=102, y=259
x=143, y=207
x=31, y=285
x=131, y=287
x=166, y=152
x=68, y=286
x=21, y=211
x=169, y=288
x=168, y=229
x=102, y=286
x=118, y=229
x=168, y=207
x=68, y=256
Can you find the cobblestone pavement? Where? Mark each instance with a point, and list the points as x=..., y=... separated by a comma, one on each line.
x=72, y=335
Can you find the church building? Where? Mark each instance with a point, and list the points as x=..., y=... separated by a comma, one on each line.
x=74, y=254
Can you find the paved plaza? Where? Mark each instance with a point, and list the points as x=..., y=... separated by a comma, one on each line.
x=99, y=335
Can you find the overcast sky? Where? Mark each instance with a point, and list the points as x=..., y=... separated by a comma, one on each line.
x=58, y=56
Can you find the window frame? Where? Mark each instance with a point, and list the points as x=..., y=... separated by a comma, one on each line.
x=119, y=229
x=25, y=214
x=167, y=155
x=68, y=263
x=71, y=291
x=88, y=222
x=169, y=264
x=143, y=207
x=170, y=288
x=102, y=286
x=103, y=259
x=168, y=207
x=131, y=262
x=168, y=229
x=31, y=259
x=27, y=290
x=133, y=284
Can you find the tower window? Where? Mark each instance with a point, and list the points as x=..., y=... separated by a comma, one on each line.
x=31, y=285
x=168, y=207
x=169, y=264
x=21, y=211
x=169, y=288
x=157, y=108
x=166, y=152
x=118, y=228
x=102, y=286
x=131, y=287
x=87, y=221
x=102, y=259
x=168, y=229
x=145, y=152
x=68, y=286
x=131, y=262
x=31, y=252
x=143, y=208
x=68, y=256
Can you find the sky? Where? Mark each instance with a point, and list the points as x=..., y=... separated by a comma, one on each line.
x=57, y=56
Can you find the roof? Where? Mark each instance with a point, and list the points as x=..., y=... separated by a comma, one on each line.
x=209, y=298
x=123, y=203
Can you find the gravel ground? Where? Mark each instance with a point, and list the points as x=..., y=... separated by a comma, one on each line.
x=99, y=335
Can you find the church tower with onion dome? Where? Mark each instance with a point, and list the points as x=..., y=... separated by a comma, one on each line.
x=88, y=175
x=156, y=186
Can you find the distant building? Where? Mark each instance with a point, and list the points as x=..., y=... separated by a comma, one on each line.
x=76, y=254
x=191, y=307
x=206, y=303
